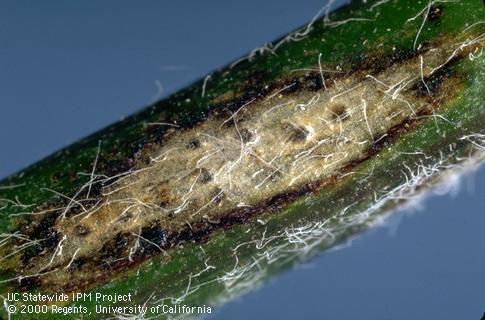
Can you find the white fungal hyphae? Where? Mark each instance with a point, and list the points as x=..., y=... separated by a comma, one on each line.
x=269, y=147
x=284, y=144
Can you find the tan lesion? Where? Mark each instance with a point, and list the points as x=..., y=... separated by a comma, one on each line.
x=270, y=147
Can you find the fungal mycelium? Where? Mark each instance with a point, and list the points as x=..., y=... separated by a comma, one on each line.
x=285, y=152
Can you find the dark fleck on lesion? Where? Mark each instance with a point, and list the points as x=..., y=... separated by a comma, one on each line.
x=81, y=230
x=338, y=112
x=156, y=236
x=297, y=133
x=314, y=82
x=77, y=264
x=245, y=135
x=217, y=195
x=292, y=87
x=193, y=143
x=114, y=250
x=204, y=176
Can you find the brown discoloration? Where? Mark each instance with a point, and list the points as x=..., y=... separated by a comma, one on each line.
x=283, y=145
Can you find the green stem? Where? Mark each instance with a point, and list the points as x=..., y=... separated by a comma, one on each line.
x=287, y=152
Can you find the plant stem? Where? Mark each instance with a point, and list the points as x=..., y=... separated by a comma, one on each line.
x=282, y=154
